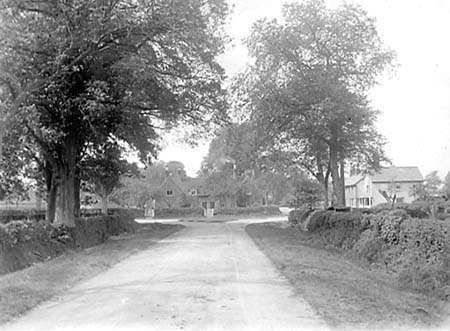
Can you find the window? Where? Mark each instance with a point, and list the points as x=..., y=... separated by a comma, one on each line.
x=368, y=189
x=398, y=187
x=169, y=192
x=193, y=191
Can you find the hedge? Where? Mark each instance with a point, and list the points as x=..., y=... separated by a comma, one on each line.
x=299, y=216
x=267, y=210
x=178, y=212
x=418, y=250
x=25, y=242
x=7, y=215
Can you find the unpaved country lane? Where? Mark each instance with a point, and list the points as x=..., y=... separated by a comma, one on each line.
x=210, y=276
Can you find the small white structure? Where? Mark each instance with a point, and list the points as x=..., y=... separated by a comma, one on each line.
x=208, y=208
x=367, y=190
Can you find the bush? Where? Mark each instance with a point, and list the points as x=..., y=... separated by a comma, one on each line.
x=25, y=242
x=180, y=212
x=417, y=249
x=266, y=210
x=369, y=245
x=317, y=220
x=8, y=215
x=299, y=216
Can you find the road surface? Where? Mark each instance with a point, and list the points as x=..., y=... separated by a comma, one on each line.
x=209, y=276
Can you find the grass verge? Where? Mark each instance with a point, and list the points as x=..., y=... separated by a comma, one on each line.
x=22, y=290
x=346, y=293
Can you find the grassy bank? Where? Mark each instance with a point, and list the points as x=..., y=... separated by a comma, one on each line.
x=24, y=289
x=346, y=293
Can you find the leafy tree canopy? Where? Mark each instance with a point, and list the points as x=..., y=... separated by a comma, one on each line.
x=307, y=88
x=85, y=73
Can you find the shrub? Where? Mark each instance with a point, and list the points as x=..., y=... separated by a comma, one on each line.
x=25, y=242
x=180, y=212
x=266, y=210
x=8, y=215
x=299, y=216
x=317, y=220
x=369, y=245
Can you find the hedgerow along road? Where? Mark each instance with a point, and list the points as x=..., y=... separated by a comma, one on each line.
x=208, y=276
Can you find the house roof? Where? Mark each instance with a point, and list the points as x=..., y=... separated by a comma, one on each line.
x=184, y=184
x=353, y=180
x=398, y=174
x=392, y=174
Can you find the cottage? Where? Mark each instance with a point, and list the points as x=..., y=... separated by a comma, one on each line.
x=367, y=190
x=183, y=192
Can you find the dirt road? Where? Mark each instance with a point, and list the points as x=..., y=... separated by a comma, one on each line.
x=209, y=276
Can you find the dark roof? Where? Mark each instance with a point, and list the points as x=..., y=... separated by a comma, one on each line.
x=398, y=174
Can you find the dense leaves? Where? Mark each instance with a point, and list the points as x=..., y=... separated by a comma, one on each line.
x=82, y=74
x=307, y=88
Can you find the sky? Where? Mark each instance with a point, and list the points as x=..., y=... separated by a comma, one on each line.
x=414, y=101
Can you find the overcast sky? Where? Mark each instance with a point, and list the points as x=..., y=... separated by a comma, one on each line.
x=415, y=102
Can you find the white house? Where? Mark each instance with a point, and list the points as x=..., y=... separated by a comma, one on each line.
x=367, y=190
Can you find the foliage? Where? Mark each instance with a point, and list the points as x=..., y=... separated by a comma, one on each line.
x=180, y=212
x=266, y=210
x=432, y=183
x=8, y=215
x=299, y=216
x=237, y=173
x=418, y=250
x=91, y=73
x=136, y=191
x=102, y=171
x=25, y=242
x=305, y=191
x=446, y=186
x=307, y=87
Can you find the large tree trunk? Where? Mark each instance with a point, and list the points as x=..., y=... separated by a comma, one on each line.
x=65, y=198
x=104, y=197
x=51, y=203
x=326, y=189
x=336, y=174
x=323, y=178
x=77, y=209
x=51, y=187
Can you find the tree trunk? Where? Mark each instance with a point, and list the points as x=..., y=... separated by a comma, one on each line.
x=51, y=187
x=342, y=177
x=77, y=209
x=65, y=198
x=51, y=203
x=104, y=198
x=326, y=189
x=338, y=187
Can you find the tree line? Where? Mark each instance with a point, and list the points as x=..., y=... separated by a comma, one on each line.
x=84, y=83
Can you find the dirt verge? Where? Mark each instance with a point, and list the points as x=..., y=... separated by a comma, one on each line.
x=24, y=289
x=347, y=294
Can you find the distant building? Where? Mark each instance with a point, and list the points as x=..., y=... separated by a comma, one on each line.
x=183, y=192
x=367, y=190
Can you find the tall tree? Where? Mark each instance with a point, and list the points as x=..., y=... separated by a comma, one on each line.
x=308, y=84
x=83, y=73
x=432, y=183
x=102, y=172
